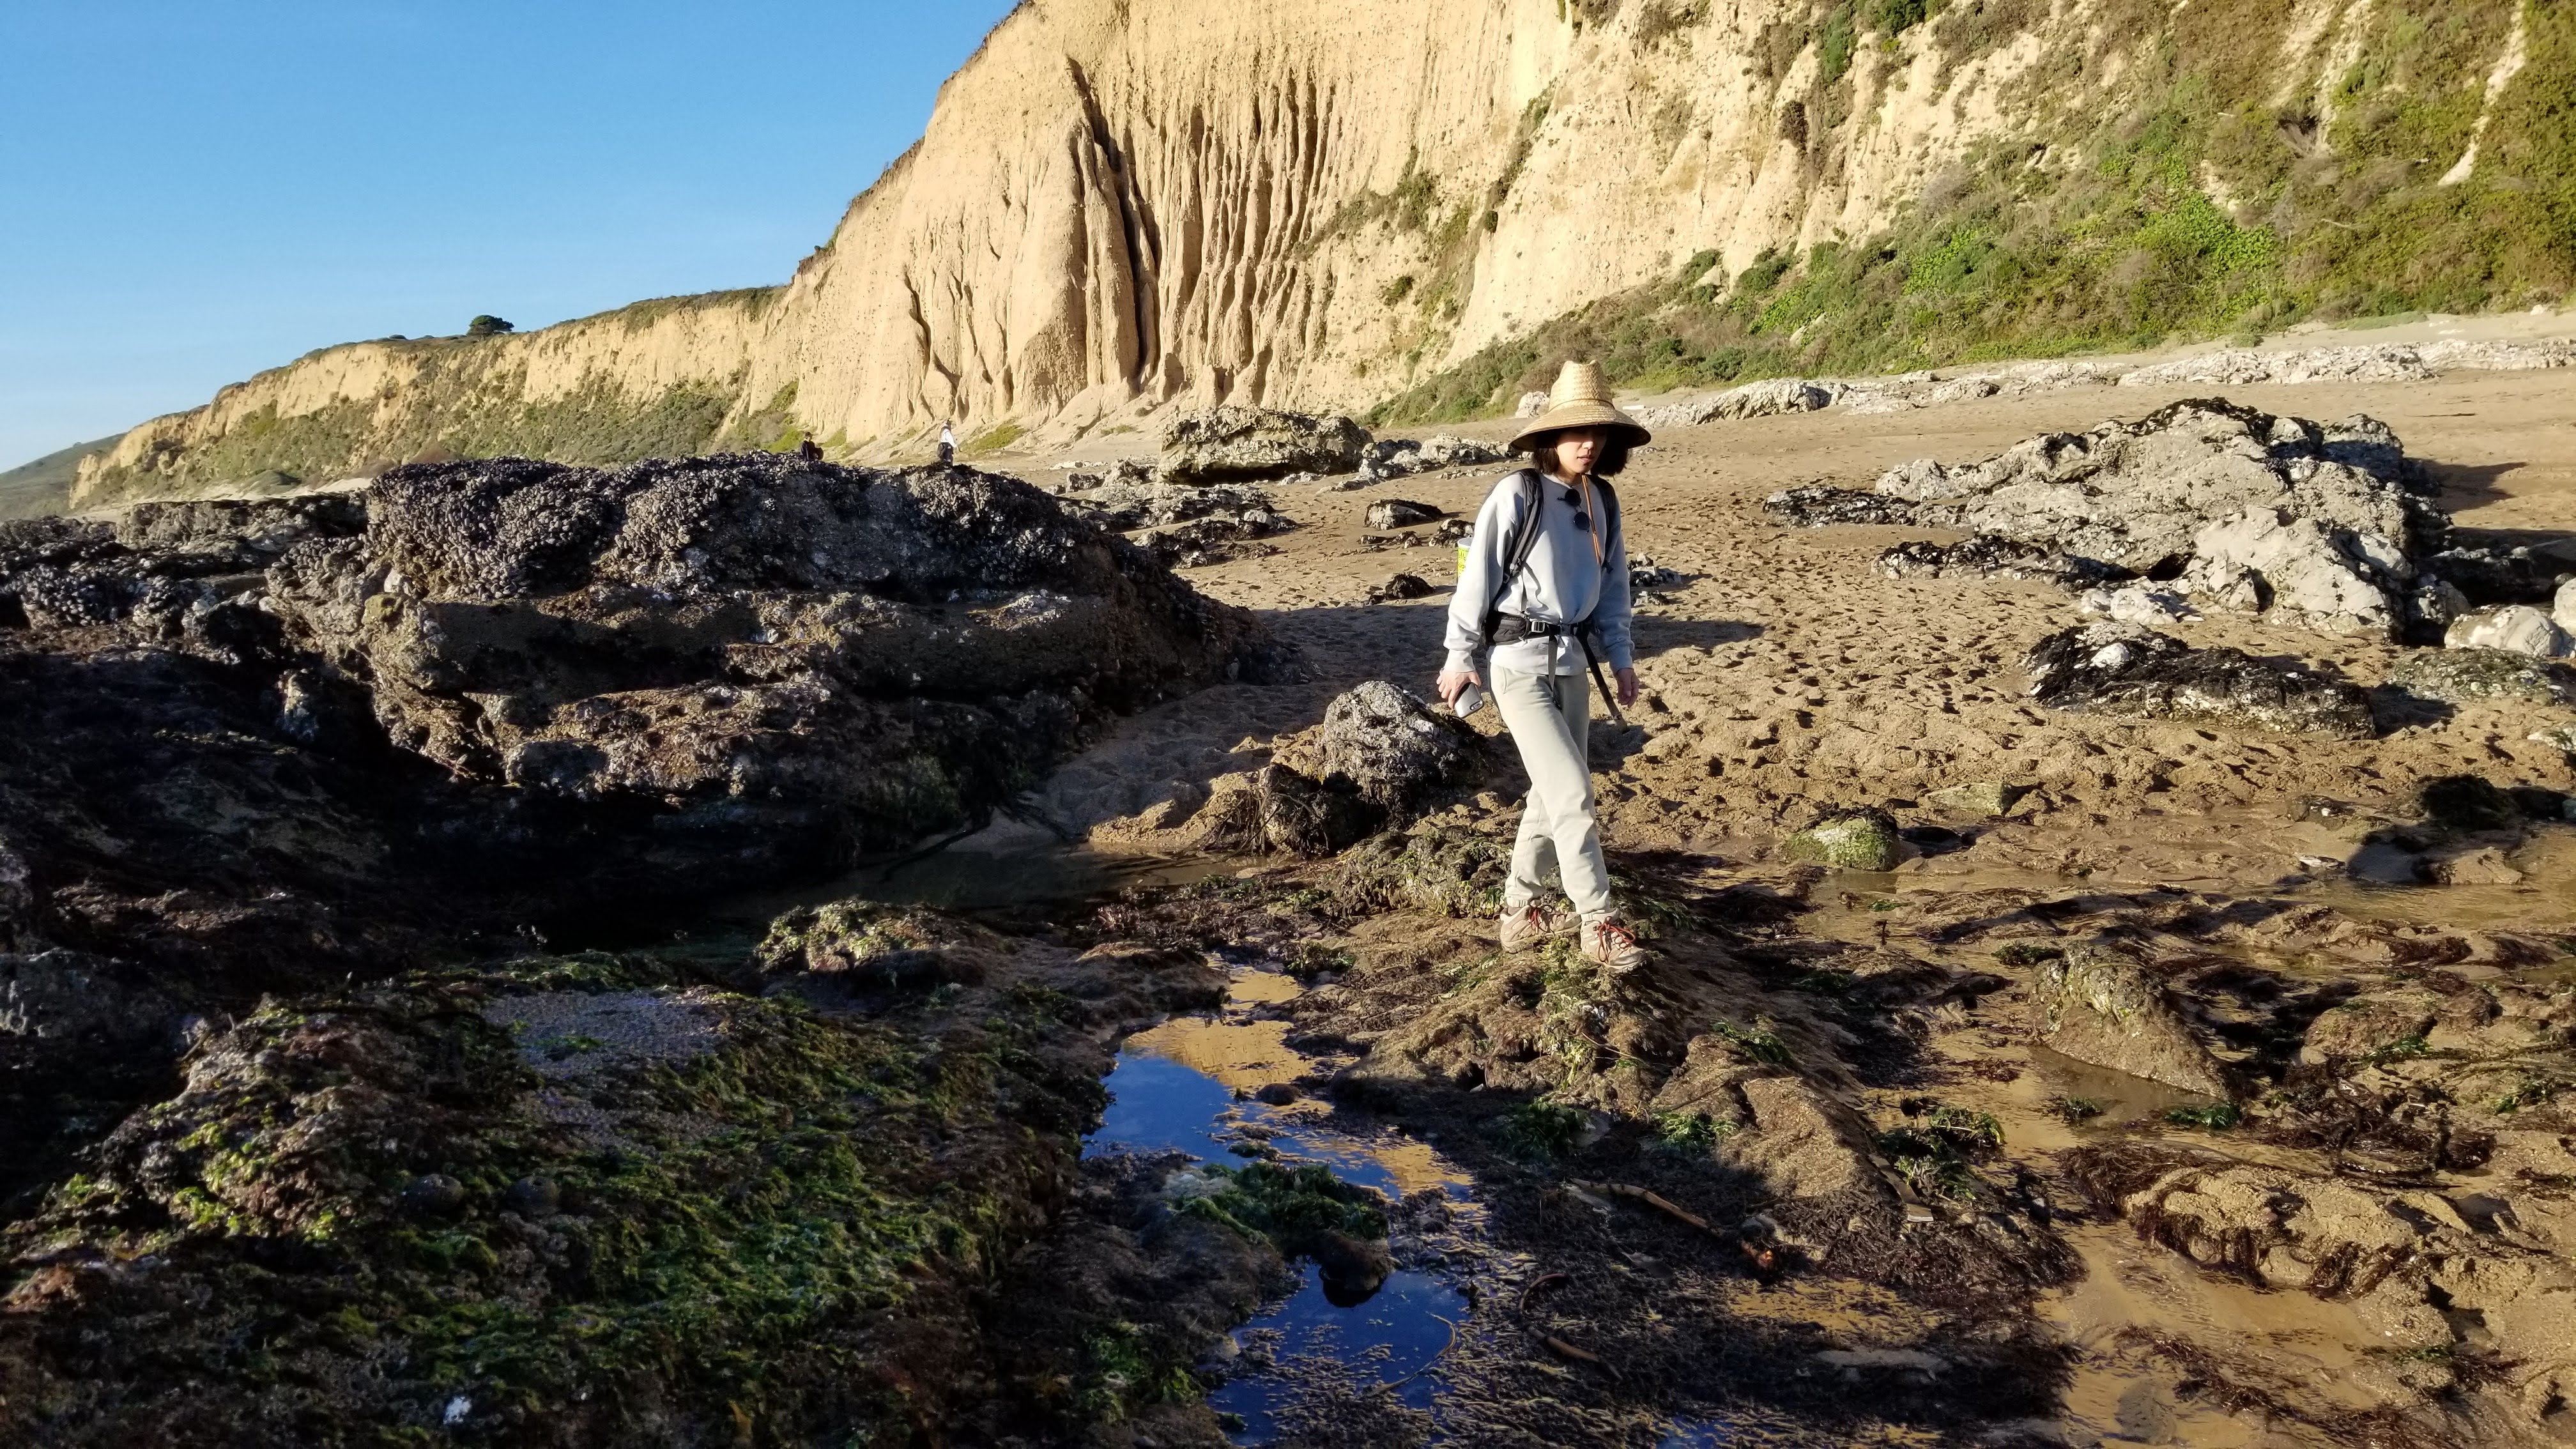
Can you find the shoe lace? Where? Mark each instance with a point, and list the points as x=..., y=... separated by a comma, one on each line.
x=1615, y=937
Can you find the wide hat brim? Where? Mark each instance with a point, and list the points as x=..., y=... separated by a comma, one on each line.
x=1586, y=414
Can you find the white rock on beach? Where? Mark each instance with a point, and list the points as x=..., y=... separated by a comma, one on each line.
x=2245, y=366
x=1400, y=457
x=2225, y=367
x=2137, y=493
x=2519, y=628
x=1768, y=398
x=2305, y=565
x=2139, y=604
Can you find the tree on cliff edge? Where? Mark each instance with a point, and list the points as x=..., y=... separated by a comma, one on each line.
x=487, y=325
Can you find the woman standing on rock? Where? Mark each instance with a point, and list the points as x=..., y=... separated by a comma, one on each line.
x=1543, y=593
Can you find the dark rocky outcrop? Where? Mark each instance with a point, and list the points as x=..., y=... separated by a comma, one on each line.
x=258, y=748
x=1183, y=525
x=1988, y=557
x=2135, y=673
x=1816, y=505
x=1379, y=757
x=747, y=647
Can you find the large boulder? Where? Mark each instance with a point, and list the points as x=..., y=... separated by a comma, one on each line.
x=1238, y=444
x=2102, y=1005
x=2308, y=572
x=517, y=689
x=1379, y=756
x=2131, y=672
x=2324, y=514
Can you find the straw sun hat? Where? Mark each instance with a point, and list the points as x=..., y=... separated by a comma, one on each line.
x=1581, y=399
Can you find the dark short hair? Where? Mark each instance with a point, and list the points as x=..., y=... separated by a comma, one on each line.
x=1612, y=462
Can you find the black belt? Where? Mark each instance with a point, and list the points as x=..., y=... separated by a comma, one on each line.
x=1513, y=629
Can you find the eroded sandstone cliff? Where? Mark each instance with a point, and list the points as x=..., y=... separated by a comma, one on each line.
x=1125, y=205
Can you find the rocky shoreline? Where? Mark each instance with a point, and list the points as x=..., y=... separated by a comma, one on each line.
x=388, y=1059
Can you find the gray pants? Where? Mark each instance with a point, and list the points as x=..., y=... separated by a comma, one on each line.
x=1550, y=717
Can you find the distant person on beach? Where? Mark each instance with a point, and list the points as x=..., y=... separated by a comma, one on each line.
x=1542, y=599
x=947, y=444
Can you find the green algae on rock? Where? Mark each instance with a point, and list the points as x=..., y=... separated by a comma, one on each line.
x=1863, y=839
x=2102, y=1005
x=583, y=1202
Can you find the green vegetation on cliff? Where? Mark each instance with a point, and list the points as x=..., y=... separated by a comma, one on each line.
x=44, y=486
x=471, y=413
x=468, y=396
x=2208, y=206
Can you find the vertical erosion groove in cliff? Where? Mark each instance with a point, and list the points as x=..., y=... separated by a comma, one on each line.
x=1125, y=205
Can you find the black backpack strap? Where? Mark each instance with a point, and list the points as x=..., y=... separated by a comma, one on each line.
x=1517, y=547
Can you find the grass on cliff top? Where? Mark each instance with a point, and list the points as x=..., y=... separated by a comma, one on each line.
x=32, y=490
x=457, y=408
x=2203, y=210
x=467, y=402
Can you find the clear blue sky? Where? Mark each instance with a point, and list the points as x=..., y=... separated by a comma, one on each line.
x=190, y=192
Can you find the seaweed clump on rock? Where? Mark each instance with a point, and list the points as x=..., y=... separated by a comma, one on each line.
x=2130, y=672
x=570, y=1200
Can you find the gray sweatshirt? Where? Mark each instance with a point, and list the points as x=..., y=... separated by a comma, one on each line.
x=1562, y=584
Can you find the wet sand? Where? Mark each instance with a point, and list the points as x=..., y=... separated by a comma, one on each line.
x=1786, y=674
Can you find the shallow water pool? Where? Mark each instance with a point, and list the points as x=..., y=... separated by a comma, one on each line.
x=1188, y=1086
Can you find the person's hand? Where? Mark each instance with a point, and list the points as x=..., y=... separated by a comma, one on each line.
x=1627, y=687
x=1454, y=682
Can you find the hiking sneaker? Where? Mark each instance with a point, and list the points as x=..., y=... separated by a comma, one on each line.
x=1530, y=924
x=1607, y=944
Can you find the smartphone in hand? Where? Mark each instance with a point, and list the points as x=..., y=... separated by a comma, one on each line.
x=1470, y=700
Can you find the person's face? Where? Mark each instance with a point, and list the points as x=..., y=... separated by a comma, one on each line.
x=1577, y=448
